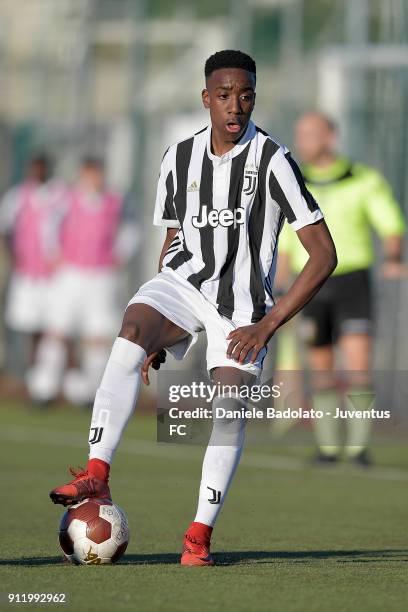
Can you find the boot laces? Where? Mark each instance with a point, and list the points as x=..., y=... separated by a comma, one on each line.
x=78, y=472
x=193, y=540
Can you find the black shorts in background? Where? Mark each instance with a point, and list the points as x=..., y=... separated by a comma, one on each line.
x=342, y=306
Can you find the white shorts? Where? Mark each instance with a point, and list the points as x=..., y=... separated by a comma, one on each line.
x=179, y=301
x=85, y=303
x=27, y=303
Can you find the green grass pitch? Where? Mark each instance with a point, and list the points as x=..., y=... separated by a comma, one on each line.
x=290, y=538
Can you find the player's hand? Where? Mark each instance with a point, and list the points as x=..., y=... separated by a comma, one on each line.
x=246, y=339
x=155, y=360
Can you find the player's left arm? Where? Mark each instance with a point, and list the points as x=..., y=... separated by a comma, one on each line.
x=284, y=264
x=318, y=243
x=288, y=190
x=385, y=216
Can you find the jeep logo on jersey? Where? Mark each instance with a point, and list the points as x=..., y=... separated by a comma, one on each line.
x=224, y=217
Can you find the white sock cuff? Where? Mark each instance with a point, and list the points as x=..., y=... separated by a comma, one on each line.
x=127, y=353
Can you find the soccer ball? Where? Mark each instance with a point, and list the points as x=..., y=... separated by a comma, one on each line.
x=94, y=531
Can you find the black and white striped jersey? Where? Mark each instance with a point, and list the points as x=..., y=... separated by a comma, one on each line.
x=229, y=211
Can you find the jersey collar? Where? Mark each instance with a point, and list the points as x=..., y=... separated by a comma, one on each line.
x=321, y=176
x=237, y=149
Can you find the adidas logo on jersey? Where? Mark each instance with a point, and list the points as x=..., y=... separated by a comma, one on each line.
x=224, y=217
x=193, y=186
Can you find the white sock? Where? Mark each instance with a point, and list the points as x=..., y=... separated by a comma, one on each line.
x=220, y=462
x=115, y=399
x=45, y=377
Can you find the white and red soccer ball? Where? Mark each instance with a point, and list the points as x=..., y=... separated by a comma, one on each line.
x=94, y=531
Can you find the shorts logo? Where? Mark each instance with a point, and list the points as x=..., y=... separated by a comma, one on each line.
x=224, y=217
x=216, y=496
x=250, y=180
x=95, y=435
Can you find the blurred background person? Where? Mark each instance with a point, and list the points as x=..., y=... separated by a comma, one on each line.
x=355, y=199
x=30, y=217
x=85, y=296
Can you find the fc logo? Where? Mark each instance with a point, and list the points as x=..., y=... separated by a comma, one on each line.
x=224, y=217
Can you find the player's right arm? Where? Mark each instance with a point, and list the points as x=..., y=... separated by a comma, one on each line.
x=164, y=210
x=171, y=232
x=156, y=359
x=164, y=216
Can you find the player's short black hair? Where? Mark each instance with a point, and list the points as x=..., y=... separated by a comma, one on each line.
x=229, y=59
x=42, y=159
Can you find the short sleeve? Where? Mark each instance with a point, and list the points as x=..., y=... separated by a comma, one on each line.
x=287, y=188
x=164, y=210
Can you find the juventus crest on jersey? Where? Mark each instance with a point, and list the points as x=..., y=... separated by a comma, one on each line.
x=229, y=211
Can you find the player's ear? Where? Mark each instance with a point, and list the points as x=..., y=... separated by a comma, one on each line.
x=205, y=96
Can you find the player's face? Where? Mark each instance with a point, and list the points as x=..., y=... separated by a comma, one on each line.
x=230, y=97
x=313, y=138
x=92, y=178
x=39, y=171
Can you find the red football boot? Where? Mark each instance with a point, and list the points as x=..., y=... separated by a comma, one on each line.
x=196, y=547
x=83, y=486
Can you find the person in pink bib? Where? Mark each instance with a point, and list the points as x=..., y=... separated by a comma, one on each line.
x=85, y=301
x=30, y=218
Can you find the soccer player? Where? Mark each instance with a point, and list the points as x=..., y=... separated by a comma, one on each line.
x=84, y=304
x=30, y=218
x=355, y=199
x=222, y=195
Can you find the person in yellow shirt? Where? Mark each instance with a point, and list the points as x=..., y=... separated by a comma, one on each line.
x=355, y=200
